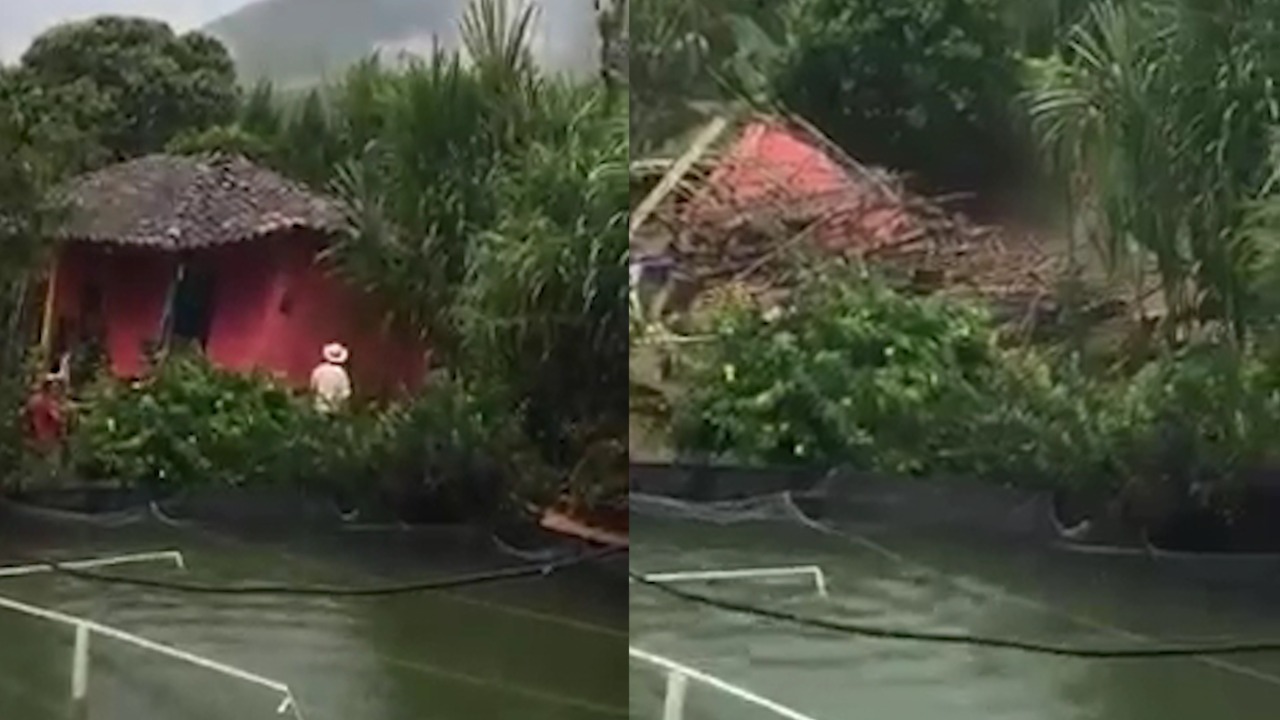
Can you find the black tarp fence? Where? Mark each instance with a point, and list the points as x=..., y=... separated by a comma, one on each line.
x=296, y=525
x=841, y=495
x=869, y=505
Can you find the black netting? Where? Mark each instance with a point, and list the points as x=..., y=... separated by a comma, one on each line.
x=944, y=557
x=866, y=506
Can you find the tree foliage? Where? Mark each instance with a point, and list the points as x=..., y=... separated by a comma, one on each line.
x=486, y=203
x=1161, y=118
x=925, y=86
x=686, y=55
x=852, y=373
x=545, y=288
x=1039, y=26
x=225, y=140
x=124, y=87
x=613, y=23
x=28, y=212
x=191, y=425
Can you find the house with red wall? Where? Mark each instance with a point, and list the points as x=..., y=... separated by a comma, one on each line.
x=221, y=254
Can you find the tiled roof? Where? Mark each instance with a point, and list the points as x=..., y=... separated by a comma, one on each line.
x=175, y=203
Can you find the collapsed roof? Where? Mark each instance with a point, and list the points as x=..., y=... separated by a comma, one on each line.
x=779, y=185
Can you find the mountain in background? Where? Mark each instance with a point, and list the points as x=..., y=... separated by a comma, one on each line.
x=298, y=42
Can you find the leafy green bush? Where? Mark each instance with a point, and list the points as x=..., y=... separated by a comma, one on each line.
x=925, y=86
x=223, y=140
x=452, y=447
x=190, y=424
x=1207, y=413
x=461, y=446
x=853, y=373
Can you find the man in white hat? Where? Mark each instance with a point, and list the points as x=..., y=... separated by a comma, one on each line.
x=329, y=381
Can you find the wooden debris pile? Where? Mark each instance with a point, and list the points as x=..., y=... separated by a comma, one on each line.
x=745, y=220
x=736, y=219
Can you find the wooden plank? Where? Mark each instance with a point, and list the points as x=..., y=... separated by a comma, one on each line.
x=47, y=319
x=565, y=524
x=677, y=171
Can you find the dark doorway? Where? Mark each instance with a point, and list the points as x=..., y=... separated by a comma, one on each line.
x=193, y=305
x=91, y=315
x=86, y=338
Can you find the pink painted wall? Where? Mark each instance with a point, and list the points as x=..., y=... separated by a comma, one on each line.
x=243, y=294
x=274, y=308
x=307, y=307
x=133, y=285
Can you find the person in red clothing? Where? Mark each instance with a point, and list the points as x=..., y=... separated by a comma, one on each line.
x=46, y=416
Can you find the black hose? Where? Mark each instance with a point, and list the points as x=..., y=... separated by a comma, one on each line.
x=522, y=571
x=872, y=631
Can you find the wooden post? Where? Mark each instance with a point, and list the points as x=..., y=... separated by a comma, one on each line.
x=677, y=171
x=50, y=307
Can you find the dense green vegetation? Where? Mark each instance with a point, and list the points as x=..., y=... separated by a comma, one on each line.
x=486, y=205
x=485, y=209
x=685, y=56
x=1150, y=126
x=926, y=87
x=26, y=215
x=855, y=373
x=114, y=88
x=1164, y=117
x=190, y=424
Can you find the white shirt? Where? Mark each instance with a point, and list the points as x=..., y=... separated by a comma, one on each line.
x=331, y=385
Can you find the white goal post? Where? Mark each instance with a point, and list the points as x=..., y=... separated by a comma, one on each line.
x=813, y=572
x=86, y=628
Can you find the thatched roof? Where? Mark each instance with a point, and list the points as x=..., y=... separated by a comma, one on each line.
x=169, y=202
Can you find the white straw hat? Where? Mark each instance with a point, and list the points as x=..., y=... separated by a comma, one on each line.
x=335, y=353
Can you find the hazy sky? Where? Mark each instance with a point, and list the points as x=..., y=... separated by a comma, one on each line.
x=564, y=36
x=23, y=20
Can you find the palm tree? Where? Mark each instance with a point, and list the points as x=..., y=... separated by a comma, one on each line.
x=1159, y=116
x=488, y=208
